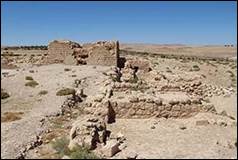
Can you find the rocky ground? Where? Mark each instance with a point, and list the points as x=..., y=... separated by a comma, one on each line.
x=168, y=108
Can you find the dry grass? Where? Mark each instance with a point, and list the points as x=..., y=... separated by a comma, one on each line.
x=43, y=92
x=65, y=91
x=67, y=69
x=11, y=116
x=29, y=78
x=4, y=94
x=31, y=83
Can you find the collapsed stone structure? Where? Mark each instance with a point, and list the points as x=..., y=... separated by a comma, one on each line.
x=135, y=91
x=99, y=53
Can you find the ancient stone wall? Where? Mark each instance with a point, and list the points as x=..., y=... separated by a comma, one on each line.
x=147, y=108
x=99, y=53
x=103, y=53
x=59, y=50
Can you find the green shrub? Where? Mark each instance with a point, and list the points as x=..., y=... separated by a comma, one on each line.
x=29, y=78
x=65, y=91
x=31, y=83
x=82, y=153
x=43, y=92
x=61, y=146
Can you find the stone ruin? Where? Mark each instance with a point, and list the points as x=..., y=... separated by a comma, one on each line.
x=132, y=91
x=135, y=91
x=99, y=53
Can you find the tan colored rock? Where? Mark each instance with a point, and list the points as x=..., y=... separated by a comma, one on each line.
x=111, y=148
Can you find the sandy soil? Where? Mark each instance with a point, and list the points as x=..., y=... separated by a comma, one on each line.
x=166, y=140
x=35, y=107
x=203, y=51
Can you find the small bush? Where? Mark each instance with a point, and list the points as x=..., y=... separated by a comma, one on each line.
x=31, y=83
x=61, y=146
x=104, y=73
x=65, y=91
x=82, y=153
x=67, y=69
x=43, y=92
x=4, y=94
x=29, y=78
x=11, y=116
x=195, y=68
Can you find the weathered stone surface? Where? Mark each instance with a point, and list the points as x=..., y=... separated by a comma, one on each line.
x=59, y=50
x=87, y=133
x=111, y=148
x=99, y=53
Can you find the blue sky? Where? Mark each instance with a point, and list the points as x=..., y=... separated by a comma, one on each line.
x=196, y=23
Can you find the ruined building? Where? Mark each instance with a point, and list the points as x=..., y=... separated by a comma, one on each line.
x=99, y=53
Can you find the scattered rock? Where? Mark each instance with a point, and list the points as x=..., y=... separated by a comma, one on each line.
x=131, y=155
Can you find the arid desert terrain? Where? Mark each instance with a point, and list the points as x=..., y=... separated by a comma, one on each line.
x=157, y=101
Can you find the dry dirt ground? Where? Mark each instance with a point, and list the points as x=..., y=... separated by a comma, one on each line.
x=145, y=138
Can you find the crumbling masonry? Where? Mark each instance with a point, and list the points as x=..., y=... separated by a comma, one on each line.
x=99, y=53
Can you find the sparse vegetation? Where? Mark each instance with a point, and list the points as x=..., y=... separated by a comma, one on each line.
x=104, y=73
x=4, y=94
x=43, y=92
x=67, y=69
x=61, y=146
x=11, y=116
x=29, y=78
x=31, y=83
x=65, y=91
x=195, y=68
